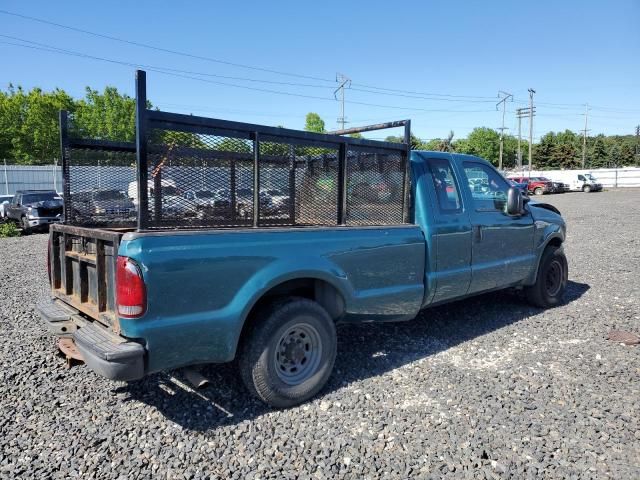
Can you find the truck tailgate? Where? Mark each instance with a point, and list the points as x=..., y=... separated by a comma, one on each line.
x=83, y=263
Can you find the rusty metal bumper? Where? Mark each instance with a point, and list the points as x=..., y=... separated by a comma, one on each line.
x=106, y=353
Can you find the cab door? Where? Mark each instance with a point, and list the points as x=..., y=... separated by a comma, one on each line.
x=450, y=230
x=502, y=245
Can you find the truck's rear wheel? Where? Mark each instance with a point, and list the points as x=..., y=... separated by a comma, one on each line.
x=551, y=281
x=289, y=354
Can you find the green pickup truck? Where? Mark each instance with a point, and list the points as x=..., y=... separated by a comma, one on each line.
x=268, y=290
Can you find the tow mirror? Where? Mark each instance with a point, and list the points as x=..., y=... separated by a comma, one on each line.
x=514, y=201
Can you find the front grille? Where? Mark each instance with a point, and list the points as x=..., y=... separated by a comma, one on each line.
x=49, y=212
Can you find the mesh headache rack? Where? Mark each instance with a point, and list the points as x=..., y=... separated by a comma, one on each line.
x=185, y=171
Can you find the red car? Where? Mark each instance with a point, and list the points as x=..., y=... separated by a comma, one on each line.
x=537, y=185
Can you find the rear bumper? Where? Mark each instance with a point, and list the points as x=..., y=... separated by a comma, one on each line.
x=106, y=353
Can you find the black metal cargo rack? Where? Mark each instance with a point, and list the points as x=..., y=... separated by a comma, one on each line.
x=185, y=171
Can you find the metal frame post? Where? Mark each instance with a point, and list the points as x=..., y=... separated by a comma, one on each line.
x=342, y=183
x=64, y=152
x=6, y=177
x=405, y=168
x=292, y=184
x=256, y=178
x=142, y=174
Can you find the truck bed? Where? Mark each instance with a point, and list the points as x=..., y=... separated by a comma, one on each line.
x=202, y=284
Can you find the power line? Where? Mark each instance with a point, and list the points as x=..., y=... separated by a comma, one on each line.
x=172, y=72
x=161, y=49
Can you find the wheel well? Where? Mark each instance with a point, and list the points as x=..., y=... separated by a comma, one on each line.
x=555, y=242
x=314, y=289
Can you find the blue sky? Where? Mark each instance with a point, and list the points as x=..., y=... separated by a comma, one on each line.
x=456, y=55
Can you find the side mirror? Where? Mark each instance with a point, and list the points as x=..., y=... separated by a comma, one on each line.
x=514, y=201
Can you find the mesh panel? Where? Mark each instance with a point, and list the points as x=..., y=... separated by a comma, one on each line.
x=97, y=187
x=374, y=187
x=199, y=180
x=298, y=184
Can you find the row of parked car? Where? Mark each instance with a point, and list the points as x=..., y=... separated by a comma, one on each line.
x=565, y=182
x=37, y=209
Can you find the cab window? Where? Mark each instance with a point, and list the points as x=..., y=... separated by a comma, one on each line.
x=445, y=185
x=488, y=188
x=581, y=178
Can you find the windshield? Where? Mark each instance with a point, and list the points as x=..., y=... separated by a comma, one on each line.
x=589, y=177
x=109, y=195
x=204, y=194
x=274, y=193
x=40, y=197
x=244, y=192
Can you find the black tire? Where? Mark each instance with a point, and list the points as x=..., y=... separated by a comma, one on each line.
x=551, y=281
x=538, y=191
x=24, y=223
x=263, y=353
x=586, y=188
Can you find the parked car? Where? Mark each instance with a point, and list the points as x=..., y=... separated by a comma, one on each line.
x=4, y=202
x=272, y=297
x=35, y=209
x=278, y=199
x=102, y=205
x=369, y=187
x=579, y=182
x=559, y=187
x=174, y=205
x=536, y=185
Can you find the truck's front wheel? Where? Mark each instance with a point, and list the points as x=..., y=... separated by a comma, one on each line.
x=551, y=281
x=288, y=355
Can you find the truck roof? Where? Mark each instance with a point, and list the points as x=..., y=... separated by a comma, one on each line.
x=456, y=157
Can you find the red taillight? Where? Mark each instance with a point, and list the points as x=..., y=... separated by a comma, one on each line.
x=131, y=293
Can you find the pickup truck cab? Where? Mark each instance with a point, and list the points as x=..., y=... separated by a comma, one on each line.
x=272, y=297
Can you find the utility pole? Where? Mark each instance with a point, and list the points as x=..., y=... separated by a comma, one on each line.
x=584, y=136
x=531, y=93
x=345, y=82
x=522, y=113
x=505, y=97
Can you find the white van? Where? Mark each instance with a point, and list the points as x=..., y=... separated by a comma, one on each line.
x=579, y=182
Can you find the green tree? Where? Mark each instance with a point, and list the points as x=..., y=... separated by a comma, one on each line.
x=598, y=155
x=485, y=143
x=109, y=115
x=29, y=124
x=313, y=123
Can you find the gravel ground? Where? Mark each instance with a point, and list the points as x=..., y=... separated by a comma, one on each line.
x=487, y=387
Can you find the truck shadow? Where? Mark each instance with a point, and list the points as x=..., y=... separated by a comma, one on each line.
x=364, y=351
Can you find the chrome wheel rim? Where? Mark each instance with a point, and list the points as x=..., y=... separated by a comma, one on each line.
x=298, y=353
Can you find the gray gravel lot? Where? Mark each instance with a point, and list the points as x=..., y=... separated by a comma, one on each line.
x=487, y=387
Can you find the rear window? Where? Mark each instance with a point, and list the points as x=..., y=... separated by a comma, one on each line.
x=444, y=185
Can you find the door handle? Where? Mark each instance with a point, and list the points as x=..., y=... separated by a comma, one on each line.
x=477, y=233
